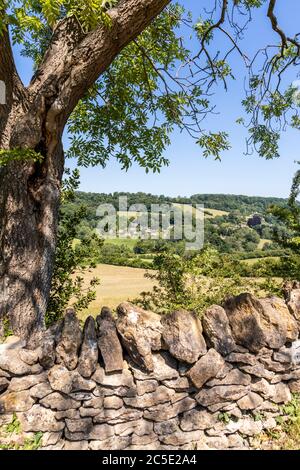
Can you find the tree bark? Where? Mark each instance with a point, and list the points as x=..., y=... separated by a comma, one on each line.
x=34, y=118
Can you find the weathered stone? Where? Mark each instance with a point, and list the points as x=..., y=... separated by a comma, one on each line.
x=269, y=423
x=146, y=386
x=258, y=323
x=250, y=401
x=10, y=362
x=50, y=438
x=40, y=390
x=4, y=383
x=182, y=333
x=40, y=419
x=76, y=445
x=60, y=378
x=249, y=427
x=117, y=416
x=47, y=355
x=164, y=368
x=180, y=437
x=81, y=384
x=112, y=403
x=180, y=384
x=235, y=440
x=97, y=432
x=161, y=395
x=155, y=445
x=4, y=374
x=88, y=412
x=292, y=297
x=197, y=419
x=162, y=412
x=217, y=330
x=94, y=402
x=140, y=427
x=88, y=358
x=108, y=342
x=70, y=414
x=111, y=444
x=69, y=341
x=262, y=387
x=294, y=386
x=141, y=332
x=15, y=401
x=234, y=377
x=84, y=425
x=281, y=393
x=59, y=402
x=18, y=384
x=167, y=427
x=206, y=368
x=30, y=357
x=242, y=358
x=221, y=394
x=143, y=440
x=258, y=371
x=283, y=356
x=121, y=379
x=217, y=443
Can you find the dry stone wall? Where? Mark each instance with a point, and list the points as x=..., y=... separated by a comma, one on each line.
x=141, y=381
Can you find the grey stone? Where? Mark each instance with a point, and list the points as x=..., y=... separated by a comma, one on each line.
x=164, y=368
x=40, y=419
x=121, y=379
x=180, y=384
x=161, y=395
x=197, y=419
x=88, y=358
x=15, y=402
x=242, y=358
x=206, y=368
x=117, y=416
x=60, y=378
x=217, y=330
x=70, y=340
x=249, y=427
x=162, y=412
x=146, y=386
x=109, y=343
x=180, y=437
x=97, y=432
x=4, y=383
x=10, y=362
x=47, y=355
x=30, y=357
x=112, y=403
x=222, y=393
x=182, y=333
x=40, y=390
x=70, y=414
x=81, y=384
x=167, y=427
x=111, y=444
x=250, y=401
x=76, y=445
x=140, y=427
x=141, y=332
x=59, y=402
x=83, y=425
x=18, y=384
x=234, y=377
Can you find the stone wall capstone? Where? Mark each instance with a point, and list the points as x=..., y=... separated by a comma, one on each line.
x=141, y=381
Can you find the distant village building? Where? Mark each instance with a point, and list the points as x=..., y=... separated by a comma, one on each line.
x=254, y=221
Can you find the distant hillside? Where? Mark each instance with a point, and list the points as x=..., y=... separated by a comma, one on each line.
x=222, y=202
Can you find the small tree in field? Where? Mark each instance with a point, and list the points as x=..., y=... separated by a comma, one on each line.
x=119, y=76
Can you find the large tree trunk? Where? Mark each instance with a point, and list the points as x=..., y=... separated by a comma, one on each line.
x=34, y=118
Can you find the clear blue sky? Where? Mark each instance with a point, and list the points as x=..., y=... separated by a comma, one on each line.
x=189, y=172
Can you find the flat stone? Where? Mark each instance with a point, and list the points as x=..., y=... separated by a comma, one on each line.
x=81, y=384
x=70, y=340
x=217, y=443
x=40, y=419
x=59, y=402
x=180, y=437
x=221, y=394
x=76, y=445
x=217, y=330
x=10, y=362
x=47, y=355
x=94, y=402
x=281, y=393
x=146, y=386
x=84, y=425
x=70, y=414
x=182, y=333
x=117, y=416
x=60, y=378
x=206, y=368
x=279, y=325
x=140, y=332
x=242, y=358
x=161, y=395
x=108, y=342
x=113, y=403
x=88, y=412
x=88, y=358
x=163, y=413
x=234, y=377
x=18, y=384
x=30, y=357
x=111, y=444
x=294, y=386
x=249, y=427
x=197, y=420
x=40, y=390
x=140, y=427
x=181, y=384
x=250, y=401
x=11, y=402
x=97, y=432
x=50, y=438
x=167, y=427
x=258, y=371
x=121, y=379
x=164, y=368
